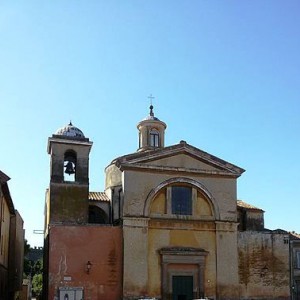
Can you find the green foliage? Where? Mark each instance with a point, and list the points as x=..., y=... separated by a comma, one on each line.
x=26, y=247
x=27, y=262
x=27, y=267
x=37, y=284
x=38, y=267
x=33, y=269
x=37, y=278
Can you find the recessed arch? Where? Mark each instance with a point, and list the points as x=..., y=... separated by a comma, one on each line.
x=97, y=215
x=70, y=154
x=184, y=180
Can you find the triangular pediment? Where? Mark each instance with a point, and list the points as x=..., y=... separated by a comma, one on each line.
x=181, y=158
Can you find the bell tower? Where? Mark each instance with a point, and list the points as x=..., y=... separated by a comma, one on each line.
x=151, y=132
x=67, y=196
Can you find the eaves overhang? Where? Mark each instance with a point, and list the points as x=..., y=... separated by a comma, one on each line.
x=3, y=177
x=7, y=196
x=177, y=170
x=98, y=197
x=67, y=140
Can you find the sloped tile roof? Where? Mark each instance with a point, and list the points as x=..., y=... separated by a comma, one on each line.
x=243, y=204
x=98, y=196
x=294, y=235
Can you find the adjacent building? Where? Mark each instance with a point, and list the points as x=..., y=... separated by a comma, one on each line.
x=295, y=265
x=168, y=226
x=11, y=244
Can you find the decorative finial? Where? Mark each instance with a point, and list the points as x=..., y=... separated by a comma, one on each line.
x=151, y=106
x=151, y=111
x=70, y=124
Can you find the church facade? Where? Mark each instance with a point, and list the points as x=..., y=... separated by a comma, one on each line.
x=168, y=226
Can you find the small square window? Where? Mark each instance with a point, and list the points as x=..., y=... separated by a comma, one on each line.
x=181, y=200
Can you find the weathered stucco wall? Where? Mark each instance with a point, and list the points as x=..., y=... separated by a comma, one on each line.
x=212, y=227
x=227, y=260
x=113, y=176
x=71, y=247
x=295, y=272
x=167, y=233
x=135, y=276
x=263, y=265
x=18, y=258
x=64, y=196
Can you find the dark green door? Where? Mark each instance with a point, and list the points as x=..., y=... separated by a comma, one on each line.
x=297, y=290
x=182, y=287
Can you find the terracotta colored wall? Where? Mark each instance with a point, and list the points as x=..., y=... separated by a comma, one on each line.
x=71, y=247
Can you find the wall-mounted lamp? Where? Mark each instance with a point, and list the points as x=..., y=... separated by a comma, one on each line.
x=88, y=267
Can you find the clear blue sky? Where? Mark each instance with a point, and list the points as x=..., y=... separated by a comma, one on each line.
x=225, y=76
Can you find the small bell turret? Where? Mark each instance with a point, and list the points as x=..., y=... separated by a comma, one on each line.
x=151, y=131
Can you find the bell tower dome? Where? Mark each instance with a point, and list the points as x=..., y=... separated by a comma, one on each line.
x=67, y=196
x=151, y=132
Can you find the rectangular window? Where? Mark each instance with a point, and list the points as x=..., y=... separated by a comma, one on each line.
x=181, y=200
x=298, y=259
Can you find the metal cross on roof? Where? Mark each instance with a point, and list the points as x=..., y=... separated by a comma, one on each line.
x=151, y=98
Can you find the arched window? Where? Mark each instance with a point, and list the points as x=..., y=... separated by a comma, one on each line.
x=70, y=160
x=181, y=197
x=154, y=138
x=97, y=215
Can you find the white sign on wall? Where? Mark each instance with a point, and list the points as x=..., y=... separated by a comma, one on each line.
x=70, y=293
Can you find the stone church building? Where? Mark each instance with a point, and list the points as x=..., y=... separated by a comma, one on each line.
x=168, y=226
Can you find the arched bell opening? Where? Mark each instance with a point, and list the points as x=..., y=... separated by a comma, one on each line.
x=70, y=161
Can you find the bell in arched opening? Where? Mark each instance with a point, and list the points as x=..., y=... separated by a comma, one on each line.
x=70, y=160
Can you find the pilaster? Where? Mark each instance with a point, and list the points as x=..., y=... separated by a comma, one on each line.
x=135, y=236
